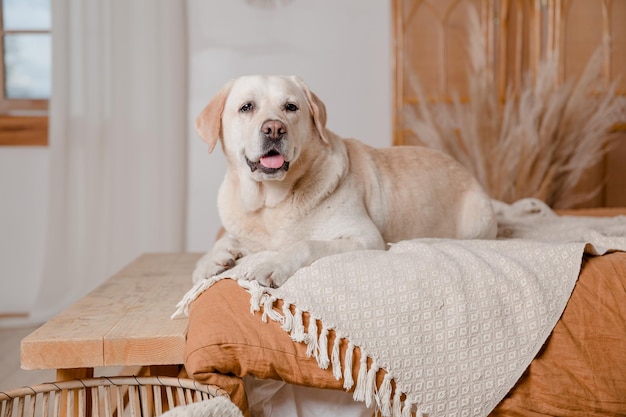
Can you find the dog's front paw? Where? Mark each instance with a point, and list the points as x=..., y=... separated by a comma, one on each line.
x=272, y=273
x=208, y=267
x=214, y=263
x=266, y=267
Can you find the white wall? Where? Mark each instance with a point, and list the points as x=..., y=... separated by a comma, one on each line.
x=342, y=50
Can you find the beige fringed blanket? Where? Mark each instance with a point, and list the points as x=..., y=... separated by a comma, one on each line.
x=454, y=323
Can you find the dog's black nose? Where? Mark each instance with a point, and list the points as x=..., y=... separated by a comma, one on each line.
x=273, y=129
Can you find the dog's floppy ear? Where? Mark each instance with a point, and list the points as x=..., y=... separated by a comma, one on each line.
x=317, y=108
x=209, y=121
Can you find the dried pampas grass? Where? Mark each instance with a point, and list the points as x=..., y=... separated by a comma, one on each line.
x=539, y=143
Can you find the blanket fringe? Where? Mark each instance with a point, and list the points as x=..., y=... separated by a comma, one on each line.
x=407, y=409
x=182, y=308
x=310, y=339
x=370, y=385
x=268, y=310
x=293, y=324
x=361, y=380
x=287, y=321
x=334, y=357
x=297, y=331
x=397, y=404
x=256, y=293
x=388, y=403
x=348, y=380
x=323, y=360
x=384, y=396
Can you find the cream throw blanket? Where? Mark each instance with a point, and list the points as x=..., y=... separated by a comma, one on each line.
x=454, y=323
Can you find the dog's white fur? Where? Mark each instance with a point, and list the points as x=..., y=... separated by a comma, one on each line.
x=338, y=195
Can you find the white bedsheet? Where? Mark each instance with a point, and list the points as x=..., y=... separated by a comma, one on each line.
x=268, y=398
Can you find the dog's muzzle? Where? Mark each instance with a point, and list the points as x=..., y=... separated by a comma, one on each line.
x=273, y=135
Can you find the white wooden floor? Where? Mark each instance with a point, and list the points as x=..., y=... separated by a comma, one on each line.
x=11, y=375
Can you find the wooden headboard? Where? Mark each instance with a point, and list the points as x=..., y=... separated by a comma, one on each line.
x=430, y=41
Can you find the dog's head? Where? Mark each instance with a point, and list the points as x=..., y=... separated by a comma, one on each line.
x=263, y=122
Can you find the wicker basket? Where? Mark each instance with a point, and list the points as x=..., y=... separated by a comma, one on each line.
x=105, y=397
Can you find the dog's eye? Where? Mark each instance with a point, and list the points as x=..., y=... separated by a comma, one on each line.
x=291, y=107
x=246, y=108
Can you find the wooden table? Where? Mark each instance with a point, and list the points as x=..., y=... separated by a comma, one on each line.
x=124, y=322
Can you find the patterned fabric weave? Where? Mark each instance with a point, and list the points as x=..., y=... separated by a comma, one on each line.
x=455, y=323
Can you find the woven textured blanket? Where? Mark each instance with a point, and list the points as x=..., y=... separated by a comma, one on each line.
x=453, y=323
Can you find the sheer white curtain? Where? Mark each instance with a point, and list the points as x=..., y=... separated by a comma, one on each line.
x=117, y=141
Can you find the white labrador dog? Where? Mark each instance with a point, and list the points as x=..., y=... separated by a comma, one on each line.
x=296, y=189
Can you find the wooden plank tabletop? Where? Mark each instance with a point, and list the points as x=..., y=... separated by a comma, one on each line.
x=124, y=322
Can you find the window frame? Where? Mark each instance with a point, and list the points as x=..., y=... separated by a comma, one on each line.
x=23, y=122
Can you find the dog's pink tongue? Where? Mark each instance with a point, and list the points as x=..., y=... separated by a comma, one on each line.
x=274, y=161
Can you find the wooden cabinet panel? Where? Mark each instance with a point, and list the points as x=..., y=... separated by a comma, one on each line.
x=617, y=22
x=429, y=41
x=582, y=29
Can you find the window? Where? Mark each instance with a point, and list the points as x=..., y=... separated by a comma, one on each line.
x=25, y=52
